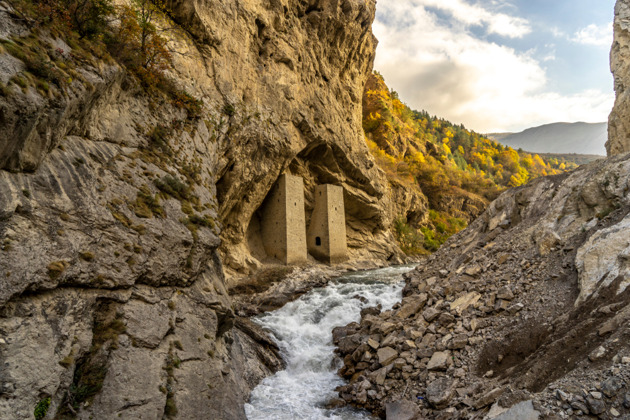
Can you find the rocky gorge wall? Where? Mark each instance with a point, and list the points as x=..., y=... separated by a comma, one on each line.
x=618, y=127
x=121, y=212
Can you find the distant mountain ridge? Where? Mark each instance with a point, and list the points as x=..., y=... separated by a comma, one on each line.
x=560, y=138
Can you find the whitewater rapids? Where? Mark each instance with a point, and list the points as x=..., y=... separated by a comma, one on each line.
x=303, y=331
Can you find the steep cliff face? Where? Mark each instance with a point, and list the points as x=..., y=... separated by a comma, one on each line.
x=618, y=126
x=119, y=210
x=294, y=73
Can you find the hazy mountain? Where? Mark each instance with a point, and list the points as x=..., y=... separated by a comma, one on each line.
x=580, y=138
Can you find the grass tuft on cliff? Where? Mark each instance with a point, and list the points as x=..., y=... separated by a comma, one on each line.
x=459, y=171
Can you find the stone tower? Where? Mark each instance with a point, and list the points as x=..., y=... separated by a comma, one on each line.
x=283, y=222
x=326, y=236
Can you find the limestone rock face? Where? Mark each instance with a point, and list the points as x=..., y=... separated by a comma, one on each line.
x=618, y=122
x=113, y=246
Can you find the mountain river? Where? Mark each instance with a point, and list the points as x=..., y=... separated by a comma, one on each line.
x=303, y=331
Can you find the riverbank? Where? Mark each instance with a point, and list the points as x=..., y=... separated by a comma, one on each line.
x=276, y=285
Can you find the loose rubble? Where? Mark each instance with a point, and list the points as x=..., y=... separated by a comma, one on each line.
x=497, y=324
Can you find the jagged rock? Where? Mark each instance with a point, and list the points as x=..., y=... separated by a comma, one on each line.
x=546, y=240
x=462, y=303
x=478, y=323
x=373, y=343
x=439, y=392
x=349, y=344
x=459, y=341
x=439, y=361
x=430, y=314
x=521, y=411
x=505, y=293
x=488, y=398
x=412, y=305
x=380, y=375
x=612, y=386
x=386, y=355
x=595, y=406
x=473, y=270
x=401, y=410
x=597, y=354
x=599, y=259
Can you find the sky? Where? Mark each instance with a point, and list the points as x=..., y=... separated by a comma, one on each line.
x=499, y=65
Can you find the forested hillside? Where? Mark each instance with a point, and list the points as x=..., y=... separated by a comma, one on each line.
x=459, y=171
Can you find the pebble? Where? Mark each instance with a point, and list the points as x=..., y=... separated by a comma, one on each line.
x=614, y=412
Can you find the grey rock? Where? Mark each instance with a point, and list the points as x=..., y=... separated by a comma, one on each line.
x=612, y=386
x=430, y=314
x=440, y=392
x=412, y=305
x=522, y=411
x=386, y=355
x=578, y=405
x=401, y=410
x=439, y=361
x=595, y=406
x=488, y=398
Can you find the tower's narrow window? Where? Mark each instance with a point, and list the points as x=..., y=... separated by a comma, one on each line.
x=318, y=241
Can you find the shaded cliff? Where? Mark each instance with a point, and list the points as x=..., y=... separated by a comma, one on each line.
x=121, y=207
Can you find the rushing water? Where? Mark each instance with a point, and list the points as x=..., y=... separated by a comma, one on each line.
x=303, y=330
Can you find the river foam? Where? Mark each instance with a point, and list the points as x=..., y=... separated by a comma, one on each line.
x=303, y=331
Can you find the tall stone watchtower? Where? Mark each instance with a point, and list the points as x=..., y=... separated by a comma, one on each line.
x=326, y=235
x=284, y=223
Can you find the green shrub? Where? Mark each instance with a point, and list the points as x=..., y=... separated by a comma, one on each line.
x=409, y=239
x=173, y=187
x=147, y=205
x=42, y=408
x=158, y=138
x=229, y=110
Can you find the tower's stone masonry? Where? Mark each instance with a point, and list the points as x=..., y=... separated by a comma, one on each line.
x=283, y=223
x=326, y=236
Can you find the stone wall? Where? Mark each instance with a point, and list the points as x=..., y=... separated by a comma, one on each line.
x=283, y=222
x=327, y=230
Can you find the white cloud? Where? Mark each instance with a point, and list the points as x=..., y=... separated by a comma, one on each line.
x=600, y=36
x=476, y=15
x=447, y=71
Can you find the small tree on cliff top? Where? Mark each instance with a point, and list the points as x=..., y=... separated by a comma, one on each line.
x=138, y=42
